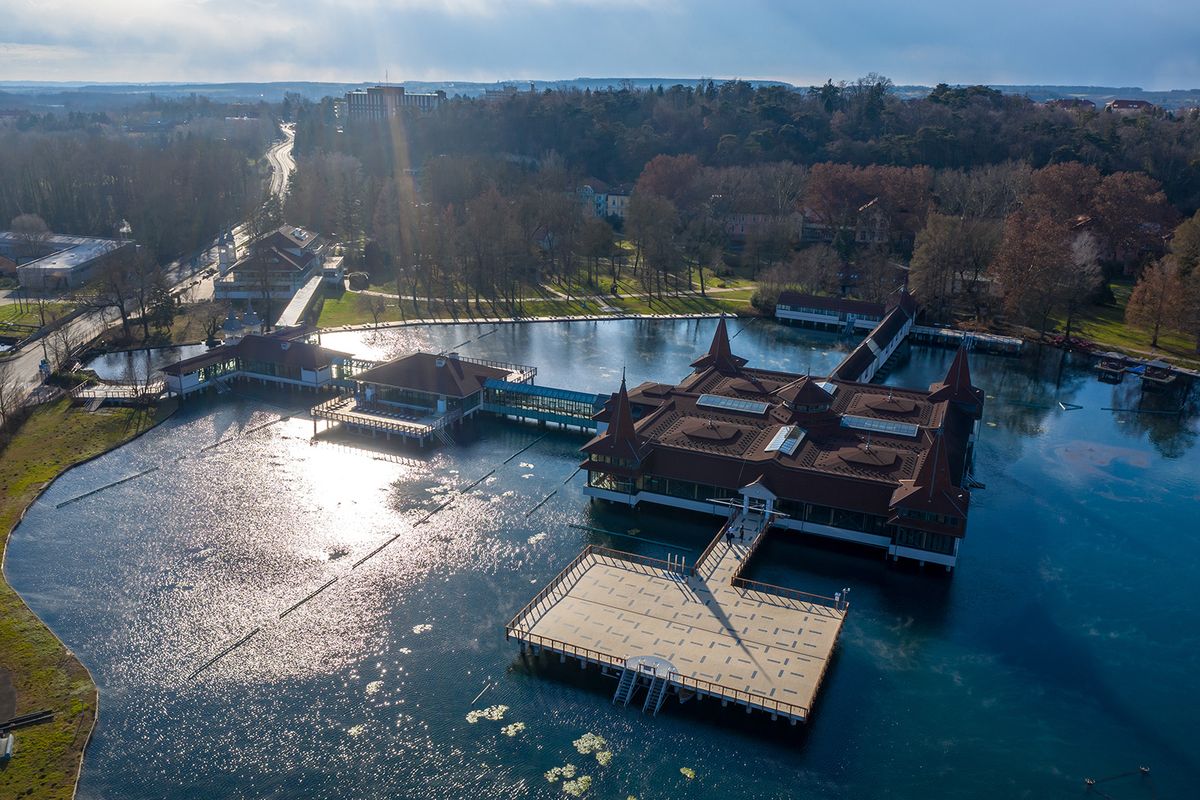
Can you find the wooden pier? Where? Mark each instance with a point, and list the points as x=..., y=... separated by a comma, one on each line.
x=698, y=631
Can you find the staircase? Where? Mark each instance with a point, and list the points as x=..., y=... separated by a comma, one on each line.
x=626, y=686
x=656, y=695
x=443, y=436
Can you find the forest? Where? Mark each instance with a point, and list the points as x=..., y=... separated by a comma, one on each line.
x=991, y=206
x=177, y=171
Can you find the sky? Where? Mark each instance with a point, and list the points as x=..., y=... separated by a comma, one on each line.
x=1150, y=43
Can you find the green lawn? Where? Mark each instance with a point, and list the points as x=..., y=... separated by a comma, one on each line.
x=11, y=313
x=346, y=310
x=1105, y=325
x=44, y=674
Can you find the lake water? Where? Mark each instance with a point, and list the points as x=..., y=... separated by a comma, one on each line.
x=1066, y=645
x=132, y=366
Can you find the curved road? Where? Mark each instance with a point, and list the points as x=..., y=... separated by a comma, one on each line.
x=21, y=372
x=282, y=163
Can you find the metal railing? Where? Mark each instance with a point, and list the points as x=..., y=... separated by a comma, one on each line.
x=326, y=411
x=517, y=373
x=711, y=546
x=795, y=594
x=548, y=588
x=710, y=688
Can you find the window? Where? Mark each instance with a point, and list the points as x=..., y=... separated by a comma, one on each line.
x=880, y=426
x=716, y=401
x=786, y=440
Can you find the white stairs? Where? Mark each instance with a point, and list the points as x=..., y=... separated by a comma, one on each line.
x=656, y=695
x=626, y=686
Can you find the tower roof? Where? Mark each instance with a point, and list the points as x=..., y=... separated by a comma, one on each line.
x=719, y=354
x=932, y=489
x=956, y=387
x=803, y=392
x=620, y=440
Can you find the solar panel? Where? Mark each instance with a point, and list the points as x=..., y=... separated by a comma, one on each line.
x=786, y=440
x=720, y=403
x=881, y=426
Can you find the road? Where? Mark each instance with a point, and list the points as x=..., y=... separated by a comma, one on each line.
x=282, y=163
x=187, y=277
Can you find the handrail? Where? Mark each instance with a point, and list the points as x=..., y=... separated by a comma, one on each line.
x=758, y=540
x=711, y=546
x=715, y=689
x=625, y=555
x=770, y=588
x=545, y=590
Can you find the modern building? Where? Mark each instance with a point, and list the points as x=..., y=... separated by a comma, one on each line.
x=385, y=102
x=875, y=465
x=274, y=267
x=277, y=360
x=59, y=261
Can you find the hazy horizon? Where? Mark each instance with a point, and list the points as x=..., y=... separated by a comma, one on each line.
x=1148, y=45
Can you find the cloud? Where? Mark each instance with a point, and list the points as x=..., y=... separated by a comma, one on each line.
x=1113, y=42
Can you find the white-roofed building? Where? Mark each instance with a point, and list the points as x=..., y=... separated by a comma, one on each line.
x=60, y=261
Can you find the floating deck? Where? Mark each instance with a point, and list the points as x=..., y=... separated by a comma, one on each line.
x=703, y=631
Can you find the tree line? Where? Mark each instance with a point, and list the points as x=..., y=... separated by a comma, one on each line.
x=987, y=204
x=87, y=174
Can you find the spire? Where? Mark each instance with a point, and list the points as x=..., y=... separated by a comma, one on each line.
x=932, y=488
x=620, y=428
x=957, y=386
x=720, y=354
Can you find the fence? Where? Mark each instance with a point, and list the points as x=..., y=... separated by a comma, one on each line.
x=749, y=699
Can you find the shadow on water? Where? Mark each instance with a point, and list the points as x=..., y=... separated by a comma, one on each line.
x=823, y=566
x=1030, y=641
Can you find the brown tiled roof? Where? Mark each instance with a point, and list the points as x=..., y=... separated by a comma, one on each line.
x=803, y=392
x=620, y=439
x=434, y=374
x=932, y=489
x=956, y=387
x=853, y=365
x=271, y=349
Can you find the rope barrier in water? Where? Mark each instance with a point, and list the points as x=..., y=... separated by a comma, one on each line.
x=542, y=503
x=224, y=653
x=97, y=490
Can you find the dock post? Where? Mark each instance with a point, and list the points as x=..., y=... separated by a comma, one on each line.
x=582, y=663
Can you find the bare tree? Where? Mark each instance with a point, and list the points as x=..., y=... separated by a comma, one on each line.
x=9, y=395
x=1080, y=278
x=211, y=317
x=31, y=232
x=373, y=304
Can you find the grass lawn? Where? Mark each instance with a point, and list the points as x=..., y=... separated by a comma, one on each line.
x=345, y=309
x=11, y=313
x=1105, y=325
x=44, y=674
x=187, y=328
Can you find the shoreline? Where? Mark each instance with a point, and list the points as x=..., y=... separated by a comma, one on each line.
x=94, y=716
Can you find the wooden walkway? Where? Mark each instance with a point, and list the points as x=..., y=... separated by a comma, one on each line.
x=747, y=643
